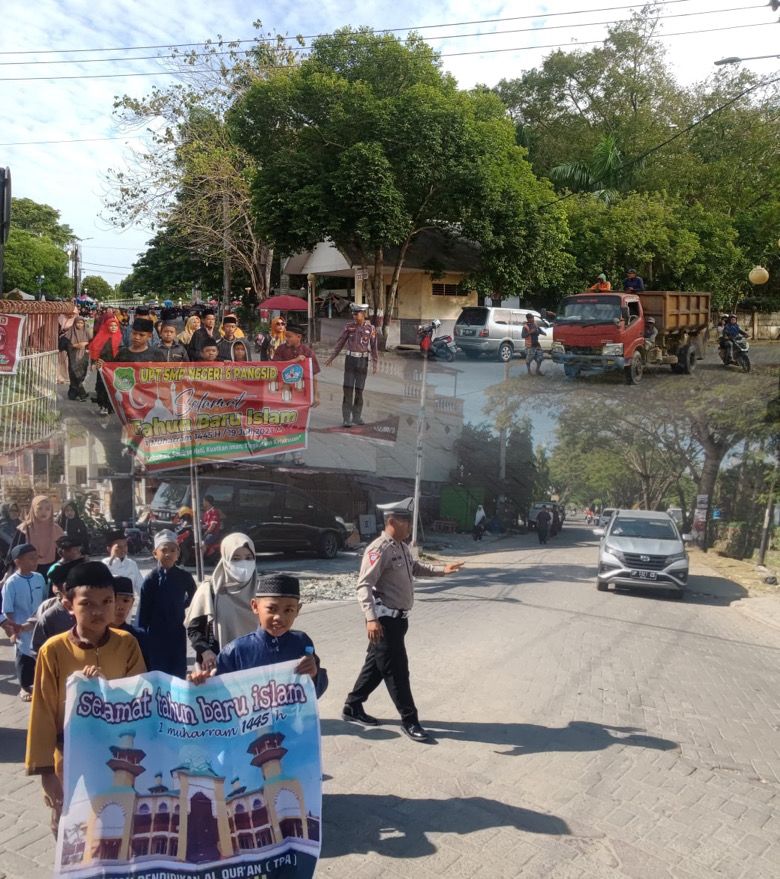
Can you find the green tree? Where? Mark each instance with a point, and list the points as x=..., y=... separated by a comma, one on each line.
x=368, y=143
x=97, y=287
x=27, y=256
x=193, y=179
x=41, y=220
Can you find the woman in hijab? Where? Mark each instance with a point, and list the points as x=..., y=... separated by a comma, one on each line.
x=73, y=525
x=190, y=328
x=105, y=346
x=480, y=523
x=74, y=342
x=65, y=322
x=40, y=529
x=220, y=611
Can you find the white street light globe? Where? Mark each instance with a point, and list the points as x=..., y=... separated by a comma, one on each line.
x=758, y=275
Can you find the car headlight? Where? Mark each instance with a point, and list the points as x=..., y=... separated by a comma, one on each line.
x=613, y=550
x=612, y=349
x=677, y=557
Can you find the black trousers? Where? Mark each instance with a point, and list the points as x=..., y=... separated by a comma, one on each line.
x=387, y=661
x=25, y=670
x=543, y=533
x=355, y=373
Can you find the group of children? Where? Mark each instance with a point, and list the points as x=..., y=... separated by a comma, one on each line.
x=84, y=628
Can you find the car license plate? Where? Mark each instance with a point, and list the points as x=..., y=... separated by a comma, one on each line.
x=644, y=575
x=467, y=332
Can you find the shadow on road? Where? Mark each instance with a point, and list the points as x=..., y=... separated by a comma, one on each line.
x=532, y=738
x=397, y=827
x=14, y=745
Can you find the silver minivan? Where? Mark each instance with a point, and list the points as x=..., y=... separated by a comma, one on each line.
x=642, y=548
x=481, y=329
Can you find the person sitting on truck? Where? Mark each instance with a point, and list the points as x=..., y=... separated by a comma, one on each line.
x=731, y=332
x=633, y=282
x=651, y=331
x=602, y=285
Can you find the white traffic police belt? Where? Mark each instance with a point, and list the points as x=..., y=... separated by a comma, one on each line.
x=382, y=611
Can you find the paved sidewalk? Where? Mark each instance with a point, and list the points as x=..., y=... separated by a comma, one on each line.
x=577, y=733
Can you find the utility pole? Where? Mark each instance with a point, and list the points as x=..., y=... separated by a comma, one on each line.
x=226, y=279
x=419, y=463
x=502, y=438
x=5, y=216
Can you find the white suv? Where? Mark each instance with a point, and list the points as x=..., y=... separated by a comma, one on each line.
x=642, y=548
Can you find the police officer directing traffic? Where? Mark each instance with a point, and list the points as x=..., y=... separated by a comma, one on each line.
x=386, y=595
x=361, y=341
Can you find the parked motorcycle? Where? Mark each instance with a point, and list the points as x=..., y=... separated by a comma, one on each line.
x=440, y=347
x=739, y=354
x=185, y=538
x=139, y=538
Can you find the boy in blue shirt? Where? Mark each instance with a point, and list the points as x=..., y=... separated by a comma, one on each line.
x=276, y=604
x=23, y=593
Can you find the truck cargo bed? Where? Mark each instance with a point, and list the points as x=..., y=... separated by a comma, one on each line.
x=674, y=310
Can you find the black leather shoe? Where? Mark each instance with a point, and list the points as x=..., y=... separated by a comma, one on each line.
x=415, y=732
x=353, y=714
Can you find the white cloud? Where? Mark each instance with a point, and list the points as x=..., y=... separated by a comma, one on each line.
x=69, y=176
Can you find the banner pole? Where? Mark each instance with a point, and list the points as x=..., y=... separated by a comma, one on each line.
x=196, y=536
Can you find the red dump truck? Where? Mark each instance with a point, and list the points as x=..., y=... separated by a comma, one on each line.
x=604, y=332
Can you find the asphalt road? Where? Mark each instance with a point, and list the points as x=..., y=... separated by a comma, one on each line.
x=577, y=733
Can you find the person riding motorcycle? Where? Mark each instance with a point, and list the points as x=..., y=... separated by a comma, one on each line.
x=731, y=332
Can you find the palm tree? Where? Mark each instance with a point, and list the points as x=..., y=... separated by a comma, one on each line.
x=605, y=175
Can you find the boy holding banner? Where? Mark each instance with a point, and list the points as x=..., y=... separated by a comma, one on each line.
x=90, y=647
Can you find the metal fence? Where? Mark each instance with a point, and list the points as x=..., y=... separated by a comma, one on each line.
x=28, y=402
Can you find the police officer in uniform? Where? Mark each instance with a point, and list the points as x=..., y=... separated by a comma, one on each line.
x=361, y=341
x=386, y=594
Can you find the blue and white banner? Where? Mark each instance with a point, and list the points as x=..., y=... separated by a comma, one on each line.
x=165, y=780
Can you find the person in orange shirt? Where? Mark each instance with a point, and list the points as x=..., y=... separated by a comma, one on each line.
x=602, y=285
x=90, y=647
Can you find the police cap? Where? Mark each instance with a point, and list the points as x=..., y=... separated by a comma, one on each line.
x=398, y=509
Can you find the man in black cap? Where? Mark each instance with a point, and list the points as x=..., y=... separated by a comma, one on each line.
x=294, y=348
x=204, y=334
x=229, y=338
x=632, y=282
x=386, y=595
x=360, y=338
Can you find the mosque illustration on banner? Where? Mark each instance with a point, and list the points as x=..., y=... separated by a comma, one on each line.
x=195, y=820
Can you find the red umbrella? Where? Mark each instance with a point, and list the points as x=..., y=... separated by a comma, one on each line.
x=283, y=303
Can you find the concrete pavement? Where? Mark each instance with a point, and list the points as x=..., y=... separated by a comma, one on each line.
x=577, y=733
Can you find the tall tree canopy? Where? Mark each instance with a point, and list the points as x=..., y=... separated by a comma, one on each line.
x=36, y=247
x=368, y=143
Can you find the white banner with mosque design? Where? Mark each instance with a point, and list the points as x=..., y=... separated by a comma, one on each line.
x=166, y=780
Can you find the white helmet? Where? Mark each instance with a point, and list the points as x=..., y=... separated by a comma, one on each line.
x=436, y=324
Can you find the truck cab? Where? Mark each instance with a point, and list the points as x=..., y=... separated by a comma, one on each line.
x=603, y=332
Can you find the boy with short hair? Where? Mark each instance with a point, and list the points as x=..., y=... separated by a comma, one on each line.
x=23, y=593
x=90, y=647
x=209, y=352
x=276, y=604
x=165, y=594
x=169, y=348
x=71, y=553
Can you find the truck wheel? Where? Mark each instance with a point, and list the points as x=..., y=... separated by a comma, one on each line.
x=570, y=371
x=687, y=359
x=635, y=370
x=505, y=352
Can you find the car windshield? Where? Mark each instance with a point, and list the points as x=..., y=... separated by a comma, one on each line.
x=653, y=529
x=589, y=310
x=472, y=317
x=170, y=496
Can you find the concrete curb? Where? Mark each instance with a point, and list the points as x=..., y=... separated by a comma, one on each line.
x=761, y=610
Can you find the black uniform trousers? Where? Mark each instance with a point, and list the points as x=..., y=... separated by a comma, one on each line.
x=387, y=661
x=355, y=374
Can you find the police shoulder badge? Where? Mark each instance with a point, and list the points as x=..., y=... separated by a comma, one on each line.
x=373, y=556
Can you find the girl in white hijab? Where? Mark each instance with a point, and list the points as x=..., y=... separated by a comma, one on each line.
x=220, y=611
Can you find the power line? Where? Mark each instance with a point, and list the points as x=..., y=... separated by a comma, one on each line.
x=104, y=265
x=571, y=45
x=74, y=140
x=300, y=49
x=316, y=36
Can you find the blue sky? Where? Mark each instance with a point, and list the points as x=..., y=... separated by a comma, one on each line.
x=70, y=176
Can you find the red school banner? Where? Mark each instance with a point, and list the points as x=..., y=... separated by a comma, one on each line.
x=10, y=342
x=207, y=411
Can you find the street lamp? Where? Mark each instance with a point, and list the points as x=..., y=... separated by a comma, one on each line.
x=732, y=59
x=39, y=279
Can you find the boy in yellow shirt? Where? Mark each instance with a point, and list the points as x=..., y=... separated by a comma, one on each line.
x=90, y=647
